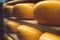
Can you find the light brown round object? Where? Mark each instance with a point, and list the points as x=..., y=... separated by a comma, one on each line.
x=25, y=32
x=12, y=25
x=9, y=10
x=48, y=12
x=8, y=7
x=49, y=36
x=24, y=11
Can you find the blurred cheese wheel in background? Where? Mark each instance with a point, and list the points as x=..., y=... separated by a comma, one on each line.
x=25, y=32
x=24, y=10
x=12, y=25
x=8, y=7
x=49, y=36
x=9, y=10
x=48, y=12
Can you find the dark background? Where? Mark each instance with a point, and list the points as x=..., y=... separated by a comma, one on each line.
x=2, y=37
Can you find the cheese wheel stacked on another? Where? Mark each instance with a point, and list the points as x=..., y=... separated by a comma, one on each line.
x=8, y=7
x=12, y=25
x=24, y=10
x=48, y=12
x=25, y=32
x=9, y=10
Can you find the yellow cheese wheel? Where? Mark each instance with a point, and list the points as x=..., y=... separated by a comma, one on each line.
x=8, y=7
x=12, y=25
x=25, y=32
x=48, y=12
x=9, y=10
x=49, y=36
x=24, y=10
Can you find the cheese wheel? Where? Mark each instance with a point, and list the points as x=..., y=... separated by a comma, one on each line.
x=9, y=10
x=8, y=7
x=49, y=36
x=48, y=13
x=24, y=11
x=12, y=25
x=25, y=32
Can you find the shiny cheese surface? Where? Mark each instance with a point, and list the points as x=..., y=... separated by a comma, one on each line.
x=8, y=10
x=49, y=36
x=25, y=32
x=48, y=12
x=12, y=25
x=24, y=10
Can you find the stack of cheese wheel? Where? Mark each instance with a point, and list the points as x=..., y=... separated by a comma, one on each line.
x=25, y=32
x=24, y=10
x=11, y=25
x=8, y=7
x=48, y=12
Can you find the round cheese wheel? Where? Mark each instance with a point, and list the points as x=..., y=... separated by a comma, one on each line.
x=49, y=36
x=24, y=11
x=25, y=32
x=48, y=12
x=12, y=25
x=9, y=10
x=8, y=7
